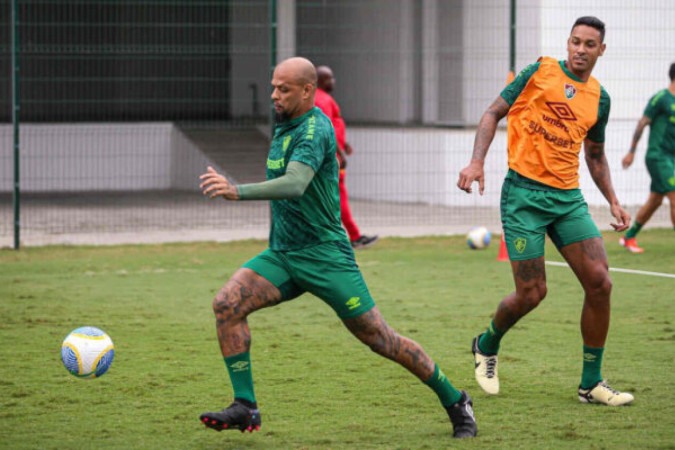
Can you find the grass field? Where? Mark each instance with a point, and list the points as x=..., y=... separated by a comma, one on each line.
x=317, y=387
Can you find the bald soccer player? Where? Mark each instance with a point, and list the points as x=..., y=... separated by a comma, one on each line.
x=308, y=252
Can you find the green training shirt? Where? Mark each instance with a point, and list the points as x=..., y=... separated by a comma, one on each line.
x=513, y=90
x=314, y=217
x=661, y=111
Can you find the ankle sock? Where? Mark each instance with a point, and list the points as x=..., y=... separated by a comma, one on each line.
x=439, y=383
x=590, y=375
x=633, y=230
x=239, y=368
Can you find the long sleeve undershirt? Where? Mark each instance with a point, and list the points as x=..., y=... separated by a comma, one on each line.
x=290, y=185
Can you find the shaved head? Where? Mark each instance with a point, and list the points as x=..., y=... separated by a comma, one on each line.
x=299, y=69
x=326, y=80
x=293, y=87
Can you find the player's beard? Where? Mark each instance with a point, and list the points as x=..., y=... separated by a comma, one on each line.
x=281, y=117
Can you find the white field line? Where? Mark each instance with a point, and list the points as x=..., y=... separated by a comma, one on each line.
x=615, y=269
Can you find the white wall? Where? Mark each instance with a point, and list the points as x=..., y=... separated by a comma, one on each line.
x=100, y=157
x=187, y=162
x=389, y=164
x=422, y=165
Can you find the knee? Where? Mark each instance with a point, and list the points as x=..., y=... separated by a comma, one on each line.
x=532, y=296
x=226, y=304
x=600, y=287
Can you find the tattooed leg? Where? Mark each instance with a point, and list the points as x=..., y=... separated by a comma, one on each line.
x=243, y=294
x=371, y=329
x=589, y=263
x=530, y=280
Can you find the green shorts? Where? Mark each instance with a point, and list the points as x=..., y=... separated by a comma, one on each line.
x=327, y=270
x=530, y=210
x=662, y=171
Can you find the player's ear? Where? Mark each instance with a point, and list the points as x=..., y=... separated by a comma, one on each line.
x=308, y=90
x=603, y=46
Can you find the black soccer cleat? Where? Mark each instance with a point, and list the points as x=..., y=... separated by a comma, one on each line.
x=364, y=241
x=237, y=416
x=462, y=418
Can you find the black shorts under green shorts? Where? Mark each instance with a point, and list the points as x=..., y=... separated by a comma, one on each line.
x=662, y=171
x=327, y=270
x=530, y=210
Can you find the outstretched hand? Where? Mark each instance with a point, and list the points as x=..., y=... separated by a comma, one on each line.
x=214, y=185
x=469, y=174
x=622, y=218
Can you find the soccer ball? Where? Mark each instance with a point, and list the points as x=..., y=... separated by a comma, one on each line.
x=478, y=238
x=87, y=352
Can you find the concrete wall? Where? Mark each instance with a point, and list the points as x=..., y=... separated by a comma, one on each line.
x=461, y=52
x=422, y=165
x=101, y=157
x=415, y=165
x=250, y=59
x=370, y=47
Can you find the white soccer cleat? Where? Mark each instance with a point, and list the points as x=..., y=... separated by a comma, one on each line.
x=602, y=393
x=486, y=369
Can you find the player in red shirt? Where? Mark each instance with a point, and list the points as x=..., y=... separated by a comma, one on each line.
x=323, y=100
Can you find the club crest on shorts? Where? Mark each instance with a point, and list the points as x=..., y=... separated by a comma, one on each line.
x=570, y=91
x=520, y=244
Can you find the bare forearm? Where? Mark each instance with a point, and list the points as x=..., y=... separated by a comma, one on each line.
x=644, y=121
x=599, y=169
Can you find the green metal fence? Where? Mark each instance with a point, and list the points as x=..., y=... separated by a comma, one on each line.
x=123, y=104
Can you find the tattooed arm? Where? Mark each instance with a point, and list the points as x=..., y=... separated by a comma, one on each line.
x=484, y=136
x=599, y=169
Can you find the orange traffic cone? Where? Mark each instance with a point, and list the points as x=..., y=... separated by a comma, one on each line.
x=503, y=254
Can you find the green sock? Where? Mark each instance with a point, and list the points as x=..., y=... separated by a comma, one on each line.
x=590, y=375
x=634, y=230
x=489, y=341
x=447, y=393
x=239, y=367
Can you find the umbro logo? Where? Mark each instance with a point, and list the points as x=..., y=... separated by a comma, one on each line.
x=239, y=366
x=353, y=303
x=561, y=110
